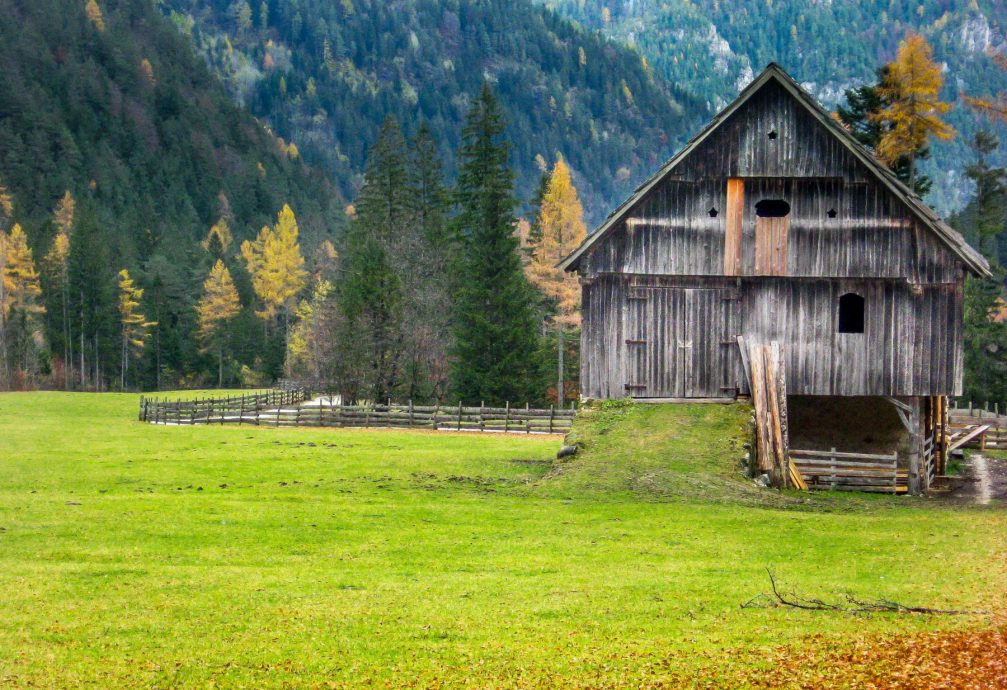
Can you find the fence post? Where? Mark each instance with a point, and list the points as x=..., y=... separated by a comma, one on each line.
x=507, y=417
x=552, y=415
x=437, y=406
x=459, y=415
x=411, y=424
x=482, y=415
x=527, y=418
x=833, y=480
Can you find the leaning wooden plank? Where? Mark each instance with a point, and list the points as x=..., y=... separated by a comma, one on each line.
x=961, y=441
x=764, y=444
x=779, y=455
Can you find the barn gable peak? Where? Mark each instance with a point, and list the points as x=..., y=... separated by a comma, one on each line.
x=775, y=75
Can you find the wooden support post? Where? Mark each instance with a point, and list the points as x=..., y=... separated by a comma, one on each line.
x=459, y=415
x=527, y=417
x=507, y=418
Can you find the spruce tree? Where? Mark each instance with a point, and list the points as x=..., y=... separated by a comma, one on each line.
x=985, y=333
x=371, y=291
x=495, y=322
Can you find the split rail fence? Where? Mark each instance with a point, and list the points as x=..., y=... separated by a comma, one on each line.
x=834, y=470
x=289, y=408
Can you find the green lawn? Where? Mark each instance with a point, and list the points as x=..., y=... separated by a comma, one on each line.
x=142, y=556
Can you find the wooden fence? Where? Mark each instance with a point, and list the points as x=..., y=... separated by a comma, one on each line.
x=850, y=471
x=292, y=408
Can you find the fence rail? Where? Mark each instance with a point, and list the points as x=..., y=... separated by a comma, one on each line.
x=850, y=471
x=290, y=408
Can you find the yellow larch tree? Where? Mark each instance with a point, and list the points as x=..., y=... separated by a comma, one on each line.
x=912, y=85
x=561, y=220
x=6, y=206
x=94, y=14
x=218, y=305
x=276, y=265
x=19, y=299
x=561, y=223
x=135, y=327
x=56, y=263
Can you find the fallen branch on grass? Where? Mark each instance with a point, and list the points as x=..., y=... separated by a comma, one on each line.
x=852, y=604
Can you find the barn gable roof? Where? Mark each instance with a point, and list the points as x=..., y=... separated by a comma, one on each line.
x=951, y=237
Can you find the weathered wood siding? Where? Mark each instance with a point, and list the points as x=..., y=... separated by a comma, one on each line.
x=691, y=267
x=872, y=234
x=648, y=336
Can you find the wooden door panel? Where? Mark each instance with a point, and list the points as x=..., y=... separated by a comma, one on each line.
x=675, y=344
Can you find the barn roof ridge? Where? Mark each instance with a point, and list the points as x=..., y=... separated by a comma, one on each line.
x=951, y=237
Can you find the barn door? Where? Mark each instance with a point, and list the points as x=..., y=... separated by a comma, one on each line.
x=675, y=342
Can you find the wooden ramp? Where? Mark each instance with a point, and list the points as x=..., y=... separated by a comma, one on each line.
x=767, y=375
x=962, y=435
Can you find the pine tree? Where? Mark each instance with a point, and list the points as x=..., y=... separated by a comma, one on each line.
x=371, y=291
x=495, y=323
x=218, y=305
x=985, y=335
x=218, y=240
x=6, y=207
x=135, y=327
x=425, y=274
x=912, y=85
x=561, y=230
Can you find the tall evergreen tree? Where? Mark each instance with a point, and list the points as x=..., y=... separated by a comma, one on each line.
x=370, y=293
x=495, y=323
x=425, y=274
x=985, y=331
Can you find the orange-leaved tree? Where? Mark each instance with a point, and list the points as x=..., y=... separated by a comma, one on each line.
x=218, y=305
x=561, y=227
x=911, y=85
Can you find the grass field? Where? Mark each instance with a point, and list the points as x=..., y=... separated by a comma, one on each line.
x=142, y=556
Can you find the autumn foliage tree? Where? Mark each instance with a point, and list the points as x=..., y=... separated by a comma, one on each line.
x=56, y=263
x=561, y=229
x=275, y=262
x=911, y=86
x=19, y=305
x=218, y=305
x=135, y=327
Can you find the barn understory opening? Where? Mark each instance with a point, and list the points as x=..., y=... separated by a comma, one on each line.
x=850, y=424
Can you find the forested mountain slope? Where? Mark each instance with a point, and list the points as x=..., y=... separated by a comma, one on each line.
x=118, y=109
x=325, y=74
x=712, y=49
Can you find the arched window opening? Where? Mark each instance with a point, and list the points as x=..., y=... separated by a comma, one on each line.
x=772, y=134
x=851, y=313
x=772, y=208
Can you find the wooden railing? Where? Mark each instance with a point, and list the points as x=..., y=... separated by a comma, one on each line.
x=850, y=471
x=292, y=408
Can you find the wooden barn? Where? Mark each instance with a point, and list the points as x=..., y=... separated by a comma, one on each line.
x=775, y=231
